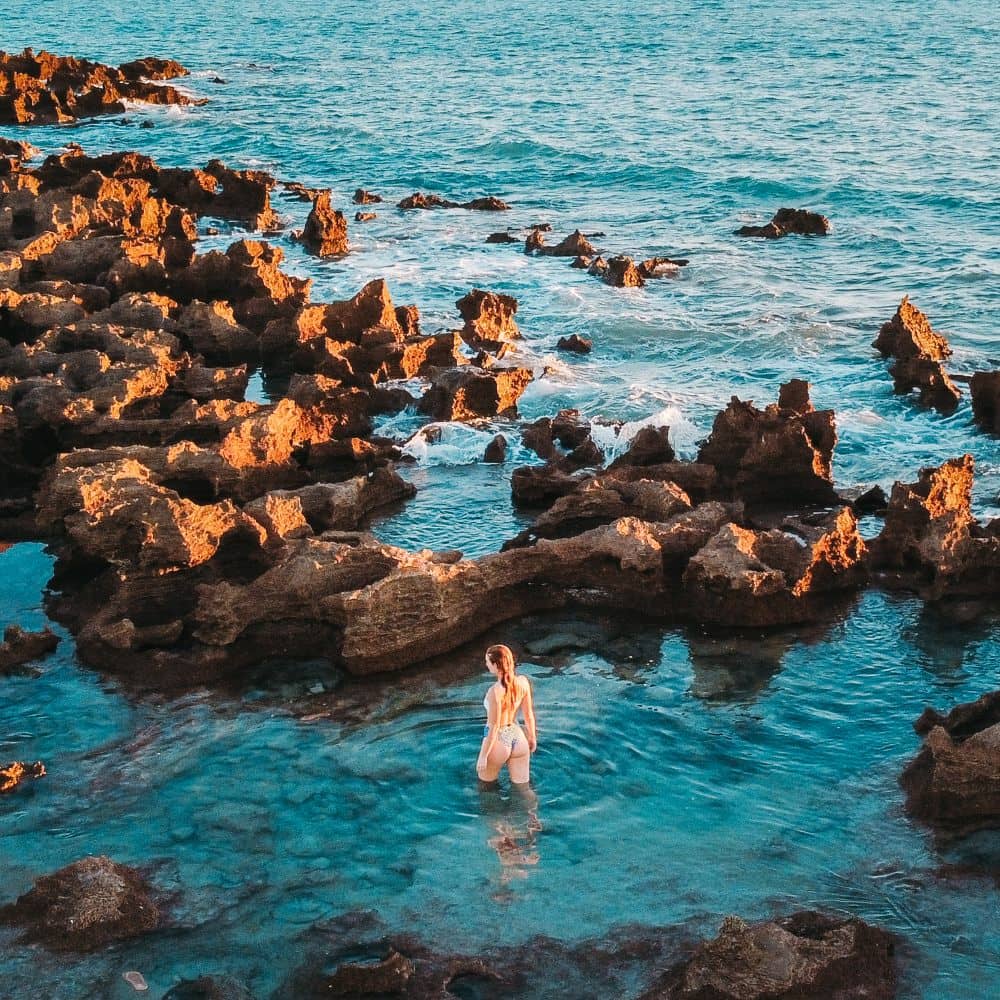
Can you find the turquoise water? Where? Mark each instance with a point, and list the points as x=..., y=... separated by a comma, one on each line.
x=679, y=778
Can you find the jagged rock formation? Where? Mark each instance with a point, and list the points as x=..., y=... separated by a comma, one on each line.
x=932, y=544
x=489, y=320
x=45, y=88
x=781, y=454
x=325, y=232
x=918, y=352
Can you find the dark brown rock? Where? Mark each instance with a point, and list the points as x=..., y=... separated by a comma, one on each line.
x=954, y=782
x=365, y=216
x=619, y=272
x=575, y=344
x=781, y=454
x=504, y=237
x=807, y=956
x=496, y=450
x=363, y=197
x=540, y=485
x=487, y=204
x=661, y=267
x=388, y=976
x=209, y=988
x=985, y=390
x=86, y=905
x=931, y=543
x=574, y=245
x=325, y=232
x=650, y=446
x=20, y=647
x=789, y=221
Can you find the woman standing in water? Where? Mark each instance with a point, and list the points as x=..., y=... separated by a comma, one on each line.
x=504, y=742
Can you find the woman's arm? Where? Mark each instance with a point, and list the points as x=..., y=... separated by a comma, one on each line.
x=492, y=721
x=528, y=707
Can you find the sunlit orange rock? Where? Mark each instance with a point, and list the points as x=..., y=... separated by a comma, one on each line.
x=469, y=392
x=488, y=318
x=325, y=232
x=16, y=773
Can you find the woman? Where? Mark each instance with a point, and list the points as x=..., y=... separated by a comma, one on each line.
x=504, y=742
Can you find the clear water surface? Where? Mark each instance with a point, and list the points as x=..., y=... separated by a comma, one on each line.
x=680, y=777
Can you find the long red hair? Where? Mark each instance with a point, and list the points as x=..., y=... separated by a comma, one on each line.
x=503, y=659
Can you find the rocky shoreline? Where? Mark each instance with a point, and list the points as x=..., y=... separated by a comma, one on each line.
x=198, y=534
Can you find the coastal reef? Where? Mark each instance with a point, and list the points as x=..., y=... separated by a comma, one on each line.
x=43, y=88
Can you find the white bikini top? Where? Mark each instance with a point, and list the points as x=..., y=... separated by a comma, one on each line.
x=517, y=707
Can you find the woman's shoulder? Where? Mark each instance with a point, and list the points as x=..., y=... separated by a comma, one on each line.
x=523, y=683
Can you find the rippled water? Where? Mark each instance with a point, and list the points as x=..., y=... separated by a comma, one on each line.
x=679, y=778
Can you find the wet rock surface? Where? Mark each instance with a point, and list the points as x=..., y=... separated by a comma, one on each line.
x=954, y=781
x=86, y=905
x=806, y=955
x=575, y=344
x=209, y=988
x=43, y=88
x=789, y=222
x=488, y=319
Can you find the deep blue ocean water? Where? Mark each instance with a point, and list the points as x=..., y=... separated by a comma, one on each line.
x=679, y=778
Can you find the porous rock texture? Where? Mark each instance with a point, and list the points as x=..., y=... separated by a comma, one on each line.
x=931, y=543
x=781, y=454
x=489, y=319
x=954, y=781
x=43, y=88
x=86, y=905
x=984, y=387
x=917, y=351
x=805, y=956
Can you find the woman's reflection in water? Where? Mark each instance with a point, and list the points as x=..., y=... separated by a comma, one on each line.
x=513, y=832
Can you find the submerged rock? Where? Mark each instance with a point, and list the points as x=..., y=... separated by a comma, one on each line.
x=16, y=774
x=954, y=781
x=806, y=956
x=918, y=351
x=209, y=988
x=84, y=906
x=789, y=221
x=325, y=232
x=20, y=646
x=502, y=237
